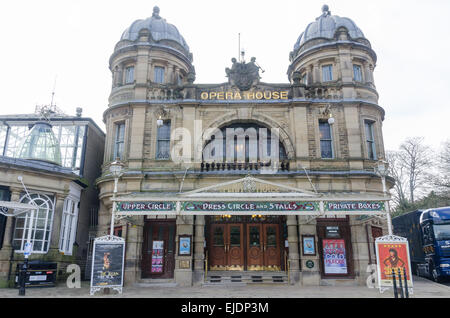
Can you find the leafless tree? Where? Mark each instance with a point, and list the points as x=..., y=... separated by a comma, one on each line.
x=410, y=167
x=415, y=157
x=398, y=172
x=442, y=178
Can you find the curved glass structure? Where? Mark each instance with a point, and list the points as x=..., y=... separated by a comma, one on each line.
x=41, y=144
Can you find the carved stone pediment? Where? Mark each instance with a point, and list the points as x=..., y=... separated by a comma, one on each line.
x=249, y=186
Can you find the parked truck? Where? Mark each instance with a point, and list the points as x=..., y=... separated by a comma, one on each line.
x=428, y=234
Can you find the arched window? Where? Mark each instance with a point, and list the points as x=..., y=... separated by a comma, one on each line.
x=41, y=224
x=243, y=143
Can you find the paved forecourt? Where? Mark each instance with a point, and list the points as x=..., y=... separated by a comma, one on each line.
x=423, y=288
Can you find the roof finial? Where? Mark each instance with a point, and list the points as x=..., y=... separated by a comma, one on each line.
x=156, y=12
x=325, y=10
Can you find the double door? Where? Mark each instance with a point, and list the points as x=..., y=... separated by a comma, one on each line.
x=251, y=246
x=263, y=245
x=158, y=249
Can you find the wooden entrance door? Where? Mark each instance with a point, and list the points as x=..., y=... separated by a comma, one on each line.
x=263, y=247
x=158, y=249
x=272, y=248
x=226, y=247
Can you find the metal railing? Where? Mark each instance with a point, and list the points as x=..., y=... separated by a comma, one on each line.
x=236, y=166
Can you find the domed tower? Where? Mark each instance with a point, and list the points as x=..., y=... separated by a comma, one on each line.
x=150, y=54
x=150, y=65
x=333, y=52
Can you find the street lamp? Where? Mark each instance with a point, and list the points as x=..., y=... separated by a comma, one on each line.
x=28, y=246
x=381, y=170
x=116, y=171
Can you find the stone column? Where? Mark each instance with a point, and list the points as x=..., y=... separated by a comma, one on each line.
x=183, y=264
x=199, y=254
x=6, y=250
x=56, y=227
x=294, y=256
x=360, y=250
x=133, y=250
x=316, y=73
x=310, y=276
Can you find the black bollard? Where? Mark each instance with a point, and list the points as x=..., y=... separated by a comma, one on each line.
x=394, y=280
x=400, y=283
x=23, y=277
x=406, y=283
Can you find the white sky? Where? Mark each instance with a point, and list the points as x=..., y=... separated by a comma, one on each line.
x=72, y=41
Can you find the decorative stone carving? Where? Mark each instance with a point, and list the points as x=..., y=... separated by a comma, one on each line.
x=243, y=75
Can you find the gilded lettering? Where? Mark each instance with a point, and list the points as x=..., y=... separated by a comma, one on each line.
x=204, y=95
x=268, y=95
x=259, y=95
x=284, y=95
x=276, y=95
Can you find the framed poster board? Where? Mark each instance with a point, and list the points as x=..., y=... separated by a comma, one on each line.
x=157, y=257
x=334, y=257
x=308, y=245
x=392, y=254
x=107, y=263
x=184, y=246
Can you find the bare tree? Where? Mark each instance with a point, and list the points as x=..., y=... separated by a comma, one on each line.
x=415, y=158
x=410, y=166
x=398, y=172
x=442, y=178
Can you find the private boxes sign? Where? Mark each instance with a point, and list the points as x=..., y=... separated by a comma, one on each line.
x=107, y=263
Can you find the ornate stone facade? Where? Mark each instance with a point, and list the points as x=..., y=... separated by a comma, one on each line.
x=328, y=78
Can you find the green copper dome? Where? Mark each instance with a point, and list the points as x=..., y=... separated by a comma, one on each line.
x=41, y=144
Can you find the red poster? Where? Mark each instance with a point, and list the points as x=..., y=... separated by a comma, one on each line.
x=393, y=255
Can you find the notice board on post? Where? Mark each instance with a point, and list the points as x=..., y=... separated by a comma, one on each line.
x=107, y=263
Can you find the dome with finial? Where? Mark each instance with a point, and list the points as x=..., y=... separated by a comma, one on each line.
x=326, y=27
x=41, y=144
x=159, y=30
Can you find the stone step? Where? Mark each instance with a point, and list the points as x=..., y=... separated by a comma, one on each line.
x=246, y=277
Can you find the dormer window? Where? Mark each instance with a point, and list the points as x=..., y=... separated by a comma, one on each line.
x=159, y=74
x=129, y=75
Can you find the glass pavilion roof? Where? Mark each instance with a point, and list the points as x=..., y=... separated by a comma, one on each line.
x=41, y=144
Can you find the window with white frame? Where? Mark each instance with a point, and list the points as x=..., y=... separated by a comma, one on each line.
x=327, y=73
x=326, y=140
x=68, y=225
x=159, y=74
x=119, y=141
x=41, y=224
x=357, y=73
x=129, y=75
x=163, y=141
x=370, y=140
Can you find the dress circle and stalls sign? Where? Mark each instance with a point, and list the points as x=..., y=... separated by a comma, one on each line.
x=108, y=263
x=334, y=257
x=392, y=255
x=249, y=207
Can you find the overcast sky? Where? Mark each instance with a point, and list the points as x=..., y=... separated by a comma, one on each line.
x=72, y=41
